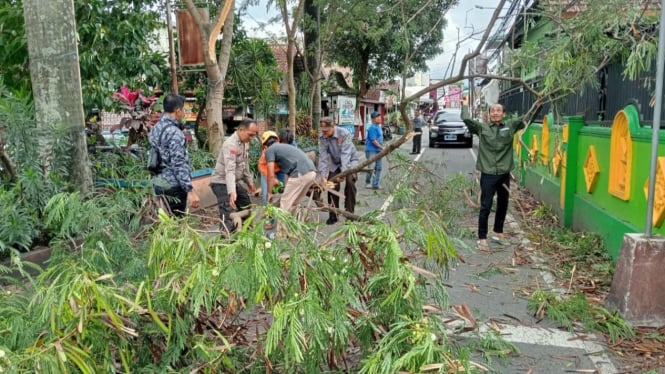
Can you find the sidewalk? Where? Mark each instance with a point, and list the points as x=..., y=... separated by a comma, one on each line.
x=495, y=287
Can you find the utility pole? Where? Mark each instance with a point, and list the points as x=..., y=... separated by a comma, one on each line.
x=169, y=26
x=655, y=127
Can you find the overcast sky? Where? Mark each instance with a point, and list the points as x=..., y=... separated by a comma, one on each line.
x=468, y=17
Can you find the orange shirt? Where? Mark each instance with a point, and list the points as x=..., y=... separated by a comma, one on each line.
x=263, y=164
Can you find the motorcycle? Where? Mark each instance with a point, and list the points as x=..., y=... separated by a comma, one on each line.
x=387, y=132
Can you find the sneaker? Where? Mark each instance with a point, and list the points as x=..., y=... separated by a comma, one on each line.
x=331, y=221
x=368, y=186
x=377, y=188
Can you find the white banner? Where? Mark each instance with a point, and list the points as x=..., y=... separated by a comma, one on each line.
x=347, y=106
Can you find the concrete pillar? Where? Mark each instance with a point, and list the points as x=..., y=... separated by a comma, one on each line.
x=638, y=286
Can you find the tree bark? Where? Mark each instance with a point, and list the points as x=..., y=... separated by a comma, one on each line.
x=291, y=28
x=56, y=83
x=215, y=69
x=290, y=48
x=223, y=64
x=362, y=77
x=313, y=60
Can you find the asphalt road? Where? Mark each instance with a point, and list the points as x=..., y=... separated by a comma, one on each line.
x=494, y=286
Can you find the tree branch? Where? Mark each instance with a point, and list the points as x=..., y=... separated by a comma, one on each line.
x=460, y=75
x=227, y=39
x=219, y=23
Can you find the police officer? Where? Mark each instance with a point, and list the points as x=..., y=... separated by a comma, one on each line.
x=232, y=167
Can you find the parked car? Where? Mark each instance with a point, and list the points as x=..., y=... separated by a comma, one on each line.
x=448, y=128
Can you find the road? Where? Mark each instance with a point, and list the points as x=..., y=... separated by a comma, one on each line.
x=495, y=287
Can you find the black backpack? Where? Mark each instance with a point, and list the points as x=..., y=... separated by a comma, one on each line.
x=154, y=159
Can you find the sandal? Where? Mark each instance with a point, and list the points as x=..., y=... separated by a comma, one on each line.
x=498, y=237
x=482, y=245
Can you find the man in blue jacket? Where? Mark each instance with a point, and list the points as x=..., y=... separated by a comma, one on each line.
x=374, y=145
x=174, y=179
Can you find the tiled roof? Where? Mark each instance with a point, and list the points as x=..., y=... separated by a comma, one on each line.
x=279, y=50
x=374, y=93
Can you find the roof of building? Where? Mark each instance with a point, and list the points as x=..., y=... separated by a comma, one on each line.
x=279, y=50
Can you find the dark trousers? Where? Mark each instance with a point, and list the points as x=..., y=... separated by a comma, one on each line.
x=349, y=193
x=417, y=141
x=224, y=204
x=176, y=198
x=490, y=185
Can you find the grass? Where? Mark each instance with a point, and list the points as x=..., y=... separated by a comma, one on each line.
x=576, y=309
x=584, y=268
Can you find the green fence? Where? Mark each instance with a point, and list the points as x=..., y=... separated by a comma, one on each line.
x=594, y=178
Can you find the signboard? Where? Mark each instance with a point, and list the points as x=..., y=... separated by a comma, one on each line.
x=190, y=50
x=346, y=106
x=346, y=113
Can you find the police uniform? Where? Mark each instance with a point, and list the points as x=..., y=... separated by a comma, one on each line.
x=231, y=168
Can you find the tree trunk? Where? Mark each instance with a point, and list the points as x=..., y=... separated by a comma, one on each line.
x=223, y=65
x=291, y=25
x=290, y=49
x=363, y=74
x=215, y=71
x=313, y=59
x=56, y=82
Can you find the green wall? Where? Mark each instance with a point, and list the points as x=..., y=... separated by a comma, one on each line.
x=598, y=210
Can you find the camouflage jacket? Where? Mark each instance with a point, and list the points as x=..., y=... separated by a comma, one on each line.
x=176, y=170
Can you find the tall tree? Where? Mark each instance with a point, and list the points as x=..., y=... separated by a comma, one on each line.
x=56, y=81
x=291, y=18
x=215, y=65
x=313, y=52
x=373, y=38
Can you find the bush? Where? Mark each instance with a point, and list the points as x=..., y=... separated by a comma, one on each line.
x=19, y=224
